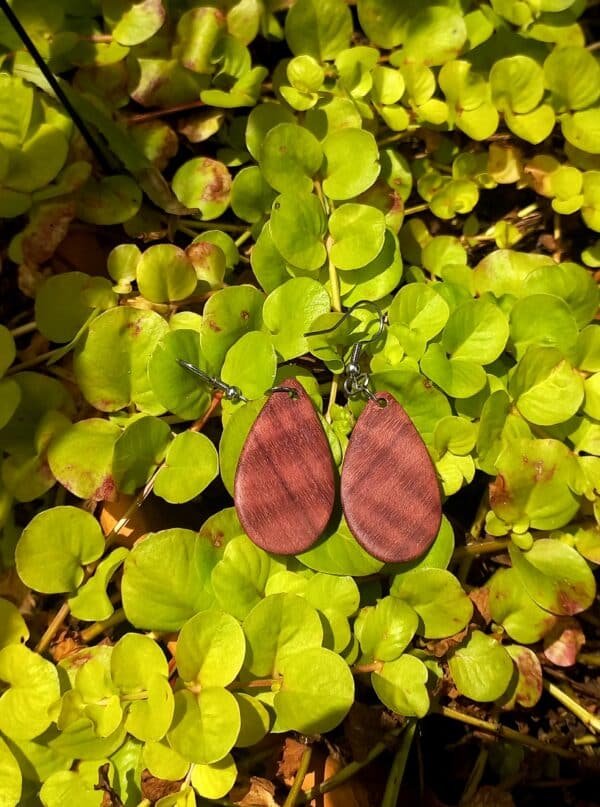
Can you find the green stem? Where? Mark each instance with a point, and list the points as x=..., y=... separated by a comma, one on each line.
x=473, y=537
x=591, y=659
x=53, y=628
x=483, y=548
x=23, y=329
x=243, y=238
x=394, y=782
x=350, y=770
x=213, y=225
x=98, y=628
x=587, y=718
x=408, y=211
x=292, y=796
x=475, y=776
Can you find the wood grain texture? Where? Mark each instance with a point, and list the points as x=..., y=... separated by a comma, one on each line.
x=284, y=486
x=389, y=490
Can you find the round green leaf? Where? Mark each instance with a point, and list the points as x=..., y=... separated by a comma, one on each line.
x=434, y=35
x=527, y=687
x=261, y=120
x=420, y=308
x=251, y=364
x=517, y=83
x=60, y=307
x=203, y=184
x=38, y=160
x=251, y=196
x=176, y=388
x=316, y=692
x=163, y=762
x=338, y=552
x=133, y=23
x=32, y=690
x=239, y=579
x=289, y=312
x=511, y=606
x=358, y=233
x=297, y=228
x=581, y=129
x=555, y=576
x=570, y=281
x=111, y=364
x=111, y=200
x=210, y=649
x=290, y=157
x=233, y=438
x=459, y=378
x=351, y=163
x=92, y=603
x=545, y=386
x=481, y=668
x=81, y=457
x=8, y=350
x=385, y=631
x=11, y=779
x=158, y=601
x=165, y=273
x=477, y=331
x=216, y=780
x=332, y=591
x=573, y=77
x=55, y=546
x=227, y=316
x=400, y=685
x=543, y=320
x=139, y=449
x=438, y=555
x=268, y=264
x=378, y=278
x=438, y=598
x=13, y=629
x=70, y=786
x=190, y=466
x=206, y=725
x=318, y=28
x=277, y=626
x=255, y=720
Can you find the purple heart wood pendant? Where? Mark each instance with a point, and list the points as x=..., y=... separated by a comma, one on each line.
x=389, y=489
x=284, y=487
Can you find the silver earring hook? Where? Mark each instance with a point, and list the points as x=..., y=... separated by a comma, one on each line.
x=356, y=382
x=230, y=392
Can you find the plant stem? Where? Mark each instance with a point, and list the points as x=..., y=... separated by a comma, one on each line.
x=473, y=537
x=394, y=782
x=158, y=113
x=475, y=776
x=483, y=548
x=591, y=659
x=587, y=718
x=243, y=238
x=507, y=734
x=23, y=329
x=213, y=225
x=56, y=88
x=349, y=770
x=359, y=669
x=292, y=796
x=587, y=739
x=53, y=628
x=98, y=628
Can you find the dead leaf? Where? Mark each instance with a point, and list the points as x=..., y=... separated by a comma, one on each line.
x=350, y=794
x=289, y=763
x=564, y=641
x=46, y=229
x=365, y=726
x=256, y=792
x=113, y=511
x=154, y=789
x=480, y=597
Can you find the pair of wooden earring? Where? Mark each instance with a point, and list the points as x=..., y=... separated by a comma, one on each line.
x=285, y=483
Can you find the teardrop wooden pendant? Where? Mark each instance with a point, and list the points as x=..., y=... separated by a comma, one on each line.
x=284, y=487
x=389, y=489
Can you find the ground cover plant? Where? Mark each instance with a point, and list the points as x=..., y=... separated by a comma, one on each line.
x=209, y=183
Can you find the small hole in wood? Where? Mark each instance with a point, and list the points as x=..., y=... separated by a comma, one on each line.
x=381, y=403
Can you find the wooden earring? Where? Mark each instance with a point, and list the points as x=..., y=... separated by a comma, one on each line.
x=284, y=488
x=389, y=489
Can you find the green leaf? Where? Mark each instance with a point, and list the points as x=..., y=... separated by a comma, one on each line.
x=290, y=157
x=420, y=308
x=205, y=726
x=316, y=692
x=277, y=626
x=476, y=331
x=436, y=595
x=216, y=780
x=341, y=593
x=459, y=378
x=75, y=787
x=30, y=688
x=400, y=685
x=261, y=120
x=111, y=364
x=511, y=606
x=297, y=228
x=13, y=629
x=11, y=779
x=251, y=196
x=434, y=35
x=191, y=464
x=318, y=29
x=573, y=77
x=61, y=307
x=358, y=233
x=527, y=689
x=255, y=720
x=227, y=316
x=543, y=320
x=210, y=649
x=139, y=449
x=55, y=546
x=481, y=668
x=570, y=281
x=289, y=312
x=555, y=576
x=534, y=484
x=268, y=264
x=517, y=83
x=386, y=630
x=165, y=273
x=251, y=364
x=351, y=163
x=156, y=601
x=234, y=435
x=546, y=388
x=438, y=555
x=111, y=200
x=175, y=387
x=92, y=603
x=8, y=349
x=338, y=552
x=203, y=184
x=378, y=278
x=133, y=23
x=163, y=762
x=36, y=162
x=10, y=398
x=16, y=103
x=239, y=579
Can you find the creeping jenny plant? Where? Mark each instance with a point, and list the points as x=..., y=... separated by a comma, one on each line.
x=439, y=158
